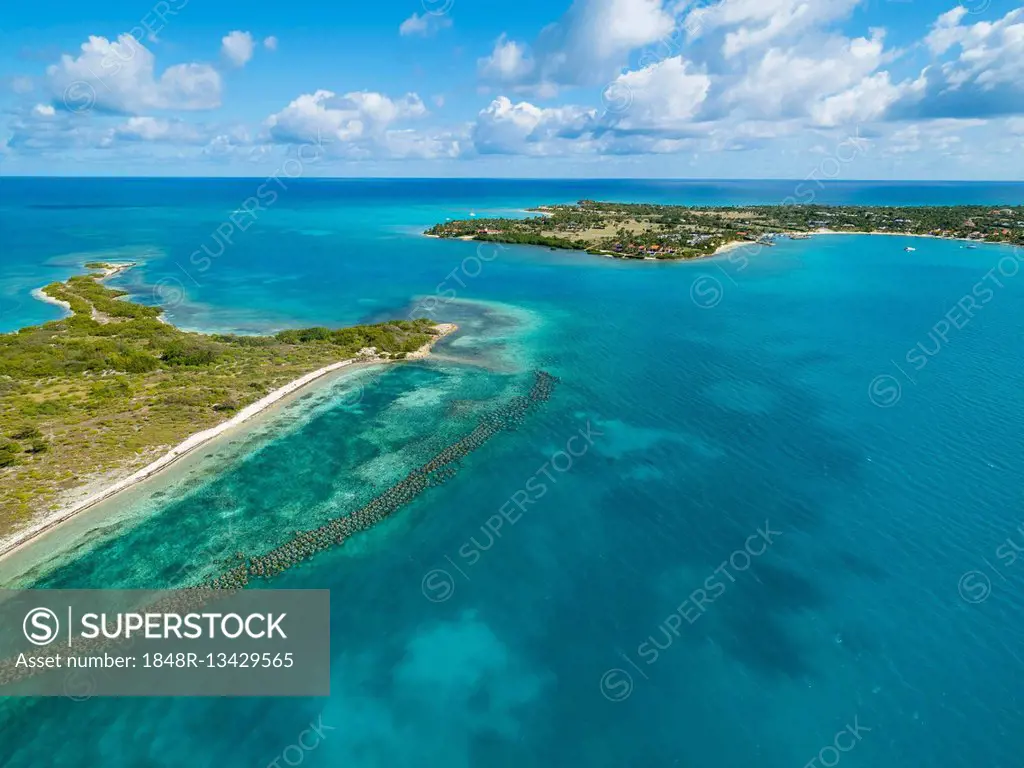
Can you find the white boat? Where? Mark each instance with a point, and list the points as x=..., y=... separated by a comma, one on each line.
x=908, y=249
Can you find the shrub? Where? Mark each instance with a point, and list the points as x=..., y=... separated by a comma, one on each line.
x=187, y=398
x=110, y=389
x=245, y=341
x=27, y=432
x=188, y=354
x=304, y=335
x=9, y=454
x=37, y=446
x=133, y=361
x=31, y=408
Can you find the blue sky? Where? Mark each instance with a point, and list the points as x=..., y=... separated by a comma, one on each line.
x=591, y=88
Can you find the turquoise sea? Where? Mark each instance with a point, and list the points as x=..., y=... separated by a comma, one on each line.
x=778, y=525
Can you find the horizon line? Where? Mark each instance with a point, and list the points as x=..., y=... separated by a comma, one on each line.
x=518, y=178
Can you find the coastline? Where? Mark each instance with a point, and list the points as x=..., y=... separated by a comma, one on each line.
x=16, y=541
x=39, y=295
x=912, y=234
x=732, y=245
x=112, y=270
x=109, y=271
x=644, y=255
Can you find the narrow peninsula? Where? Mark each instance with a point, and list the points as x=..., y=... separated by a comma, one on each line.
x=640, y=231
x=111, y=394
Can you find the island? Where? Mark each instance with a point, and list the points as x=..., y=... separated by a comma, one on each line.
x=105, y=397
x=641, y=231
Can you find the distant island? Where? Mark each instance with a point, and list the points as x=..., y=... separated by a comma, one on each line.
x=92, y=403
x=640, y=231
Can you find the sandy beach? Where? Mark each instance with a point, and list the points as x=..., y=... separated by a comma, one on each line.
x=438, y=237
x=17, y=540
x=736, y=244
x=910, y=234
x=108, y=271
x=825, y=232
x=888, y=234
x=732, y=245
x=38, y=295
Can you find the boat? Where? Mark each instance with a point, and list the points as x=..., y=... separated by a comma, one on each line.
x=909, y=249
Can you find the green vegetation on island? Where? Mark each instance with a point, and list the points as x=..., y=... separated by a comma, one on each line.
x=640, y=231
x=110, y=388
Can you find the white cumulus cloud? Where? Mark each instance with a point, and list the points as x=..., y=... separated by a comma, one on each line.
x=751, y=24
x=979, y=70
x=424, y=25
x=523, y=128
x=120, y=77
x=509, y=62
x=662, y=96
x=158, y=129
x=787, y=82
x=587, y=46
x=360, y=124
x=237, y=47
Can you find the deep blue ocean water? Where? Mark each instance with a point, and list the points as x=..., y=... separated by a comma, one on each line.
x=765, y=542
